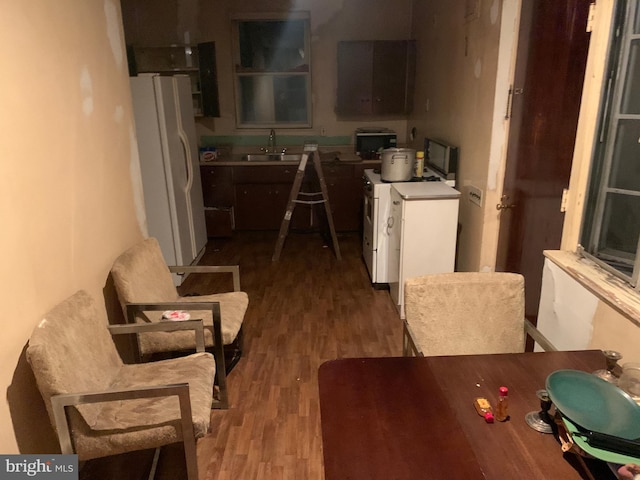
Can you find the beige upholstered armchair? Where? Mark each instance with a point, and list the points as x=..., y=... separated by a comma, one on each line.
x=100, y=406
x=143, y=279
x=466, y=313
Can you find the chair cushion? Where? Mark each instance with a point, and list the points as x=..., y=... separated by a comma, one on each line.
x=116, y=427
x=466, y=313
x=141, y=275
x=233, y=306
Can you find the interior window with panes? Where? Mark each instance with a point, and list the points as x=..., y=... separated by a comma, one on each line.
x=611, y=230
x=272, y=72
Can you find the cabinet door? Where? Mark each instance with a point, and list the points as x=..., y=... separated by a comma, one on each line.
x=345, y=204
x=375, y=77
x=208, y=79
x=259, y=206
x=393, y=73
x=345, y=196
x=355, y=78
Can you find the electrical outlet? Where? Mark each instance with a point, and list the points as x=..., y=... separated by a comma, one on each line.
x=475, y=195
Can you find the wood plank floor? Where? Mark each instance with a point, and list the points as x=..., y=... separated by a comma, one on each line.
x=303, y=310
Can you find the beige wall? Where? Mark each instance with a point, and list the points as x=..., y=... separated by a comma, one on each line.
x=459, y=64
x=68, y=204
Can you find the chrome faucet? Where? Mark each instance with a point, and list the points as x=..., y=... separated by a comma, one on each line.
x=271, y=146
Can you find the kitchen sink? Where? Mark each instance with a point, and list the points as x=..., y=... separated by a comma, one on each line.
x=272, y=157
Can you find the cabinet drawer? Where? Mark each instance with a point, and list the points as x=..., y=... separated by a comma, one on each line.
x=265, y=174
x=332, y=171
x=217, y=186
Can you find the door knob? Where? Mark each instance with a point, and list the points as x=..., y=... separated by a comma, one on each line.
x=504, y=203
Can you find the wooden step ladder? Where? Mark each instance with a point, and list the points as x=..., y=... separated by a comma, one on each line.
x=312, y=198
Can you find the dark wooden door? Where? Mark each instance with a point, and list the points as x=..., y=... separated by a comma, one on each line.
x=550, y=65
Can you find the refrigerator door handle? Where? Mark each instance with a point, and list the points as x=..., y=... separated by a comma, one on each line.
x=187, y=159
x=188, y=185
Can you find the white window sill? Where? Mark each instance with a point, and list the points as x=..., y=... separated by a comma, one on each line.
x=608, y=288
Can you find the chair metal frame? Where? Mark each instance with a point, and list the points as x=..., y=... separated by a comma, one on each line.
x=236, y=347
x=187, y=269
x=59, y=403
x=409, y=347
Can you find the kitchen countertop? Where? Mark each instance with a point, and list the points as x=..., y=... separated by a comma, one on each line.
x=337, y=158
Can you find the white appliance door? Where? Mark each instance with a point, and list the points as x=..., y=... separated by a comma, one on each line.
x=158, y=198
x=382, y=231
x=176, y=171
x=188, y=137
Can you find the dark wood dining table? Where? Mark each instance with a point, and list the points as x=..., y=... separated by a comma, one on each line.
x=413, y=418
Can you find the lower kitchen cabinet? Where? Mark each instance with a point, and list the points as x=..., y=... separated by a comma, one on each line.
x=217, y=185
x=345, y=199
x=254, y=197
x=260, y=206
x=261, y=195
x=217, y=191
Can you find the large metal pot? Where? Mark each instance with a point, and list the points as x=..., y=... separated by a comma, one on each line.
x=397, y=164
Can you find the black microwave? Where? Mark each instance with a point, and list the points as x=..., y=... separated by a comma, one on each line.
x=370, y=142
x=441, y=157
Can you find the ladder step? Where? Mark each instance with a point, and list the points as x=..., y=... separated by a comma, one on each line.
x=310, y=202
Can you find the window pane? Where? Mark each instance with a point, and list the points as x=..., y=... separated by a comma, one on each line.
x=631, y=93
x=290, y=98
x=272, y=73
x=256, y=99
x=269, y=99
x=625, y=168
x=274, y=46
x=621, y=225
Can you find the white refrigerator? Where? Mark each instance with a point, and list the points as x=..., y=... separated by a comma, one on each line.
x=169, y=163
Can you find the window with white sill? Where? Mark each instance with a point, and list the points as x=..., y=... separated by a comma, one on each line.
x=611, y=229
x=272, y=71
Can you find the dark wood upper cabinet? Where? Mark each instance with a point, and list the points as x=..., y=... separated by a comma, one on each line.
x=196, y=61
x=208, y=79
x=375, y=78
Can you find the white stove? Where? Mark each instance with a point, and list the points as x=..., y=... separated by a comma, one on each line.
x=377, y=227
